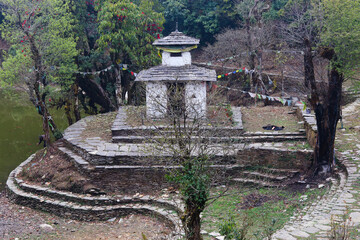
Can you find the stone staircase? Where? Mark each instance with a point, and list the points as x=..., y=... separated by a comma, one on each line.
x=266, y=177
x=94, y=156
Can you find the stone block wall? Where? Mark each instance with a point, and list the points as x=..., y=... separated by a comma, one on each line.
x=309, y=124
x=195, y=99
x=156, y=99
x=131, y=180
x=279, y=158
x=168, y=60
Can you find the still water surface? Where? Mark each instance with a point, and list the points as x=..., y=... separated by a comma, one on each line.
x=20, y=127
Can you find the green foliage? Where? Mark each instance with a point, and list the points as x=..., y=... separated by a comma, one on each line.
x=48, y=24
x=234, y=230
x=241, y=230
x=275, y=10
x=245, y=206
x=128, y=30
x=339, y=23
x=229, y=113
x=194, y=180
x=57, y=134
x=202, y=19
x=14, y=67
x=1, y=17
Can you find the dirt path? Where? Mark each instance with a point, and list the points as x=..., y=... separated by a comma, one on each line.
x=17, y=222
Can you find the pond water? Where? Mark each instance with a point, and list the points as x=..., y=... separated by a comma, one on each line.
x=20, y=127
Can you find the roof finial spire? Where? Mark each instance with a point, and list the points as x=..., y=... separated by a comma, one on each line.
x=177, y=26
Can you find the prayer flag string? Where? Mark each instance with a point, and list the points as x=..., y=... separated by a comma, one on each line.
x=244, y=69
x=287, y=102
x=123, y=67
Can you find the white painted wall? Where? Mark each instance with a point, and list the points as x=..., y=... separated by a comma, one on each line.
x=156, y=100
x=167, y=60
x=195, y=99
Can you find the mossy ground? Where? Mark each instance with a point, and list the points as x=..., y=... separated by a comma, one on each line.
x=261, y=210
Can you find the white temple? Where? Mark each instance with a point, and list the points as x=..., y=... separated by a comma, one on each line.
x=176, y=69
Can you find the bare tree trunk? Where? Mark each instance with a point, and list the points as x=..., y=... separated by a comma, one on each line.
x=118, y=88
x=192, y=222
x=327, y=117
x=282, y=82
x=76, y=103
x=326, y=103
x=261, y=82
x=40, y=99
x=251, y=55
x=67, y=112
x=309, y=65
x=96, y=93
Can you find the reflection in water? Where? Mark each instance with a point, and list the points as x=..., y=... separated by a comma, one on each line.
x=20, y=127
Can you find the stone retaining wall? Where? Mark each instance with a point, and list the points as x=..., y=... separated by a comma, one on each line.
x=309, y=124
x=280, y=158
x=89, y=208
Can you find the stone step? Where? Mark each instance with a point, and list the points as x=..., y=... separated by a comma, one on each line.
x=220, y=131
x=135, y=154
x=264, y=138
x=279, y=171
x=274, y=133
x=81, y=207
x=90, y=213
x=263, y=176
x=152, y=131
x=97, y=200
x=248, y=181
x=80, y=163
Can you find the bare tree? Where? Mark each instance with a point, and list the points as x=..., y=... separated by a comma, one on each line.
x=194, y=140
x=303, y=28
x=247, y=42
x=299, y=30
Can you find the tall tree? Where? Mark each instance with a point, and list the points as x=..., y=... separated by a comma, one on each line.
x=42, y=49
x=331, y=27
x=339, y=26
x=98, y=88
x=127, y=32
x=257, y=35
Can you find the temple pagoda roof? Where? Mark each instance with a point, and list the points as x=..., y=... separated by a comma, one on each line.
x=176, y=38
x=176, y=73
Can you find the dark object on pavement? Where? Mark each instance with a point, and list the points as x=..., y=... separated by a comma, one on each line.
x=273, y=127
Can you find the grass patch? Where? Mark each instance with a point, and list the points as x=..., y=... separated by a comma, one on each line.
x=100, y=126
x=254, y=118
x=262, y=211
x=301, y=146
